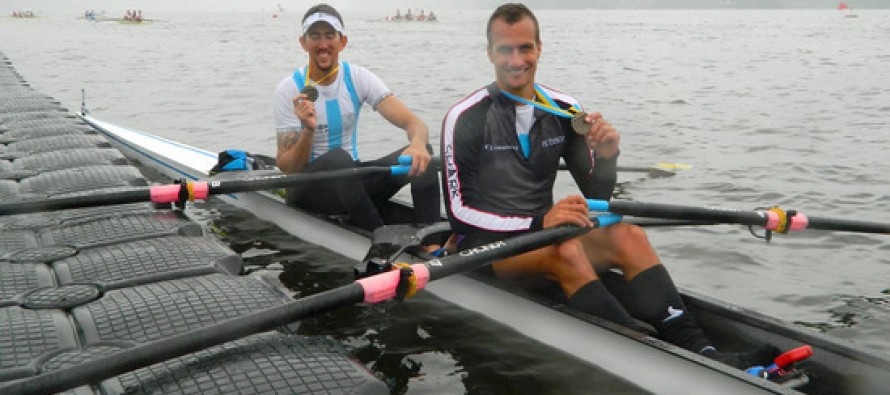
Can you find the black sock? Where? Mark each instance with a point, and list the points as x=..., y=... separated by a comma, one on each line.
x=594, y=298
x=658, y=303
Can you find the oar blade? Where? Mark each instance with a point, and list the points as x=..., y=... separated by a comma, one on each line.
x=660, y=170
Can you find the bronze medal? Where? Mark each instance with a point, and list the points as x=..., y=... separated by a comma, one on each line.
x=311, y=93
x=580, y=125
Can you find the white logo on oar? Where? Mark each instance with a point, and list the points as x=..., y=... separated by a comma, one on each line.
x=482, y=248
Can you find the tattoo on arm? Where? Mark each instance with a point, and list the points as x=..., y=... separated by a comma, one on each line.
x=287, y=140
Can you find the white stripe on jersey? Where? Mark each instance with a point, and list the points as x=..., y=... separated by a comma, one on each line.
x=460, y=211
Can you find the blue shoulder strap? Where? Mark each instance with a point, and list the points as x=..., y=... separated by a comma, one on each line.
x=298, y=78
x=356, y=102
x=357, y=105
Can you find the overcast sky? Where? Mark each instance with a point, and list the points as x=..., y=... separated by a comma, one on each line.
x=150, y=6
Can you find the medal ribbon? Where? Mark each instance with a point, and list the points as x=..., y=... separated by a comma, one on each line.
x=332, y=72
x=545, y=103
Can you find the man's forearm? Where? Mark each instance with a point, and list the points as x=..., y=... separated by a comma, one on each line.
x=418, y=134
x=294, y=152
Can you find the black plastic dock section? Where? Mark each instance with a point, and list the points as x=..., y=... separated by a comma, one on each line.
x=79, y=284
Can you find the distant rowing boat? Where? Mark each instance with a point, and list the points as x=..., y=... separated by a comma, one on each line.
x=409, y=17
x=837, y=366
x=131, y=22
x=118, y=20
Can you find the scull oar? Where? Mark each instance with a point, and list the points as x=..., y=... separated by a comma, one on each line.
x=373, y=289
x=658, y=171
x=201, y=190
x=194, y=190
x=773, y=219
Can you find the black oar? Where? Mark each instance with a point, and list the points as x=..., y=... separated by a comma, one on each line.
x=192, y=190
x=372, y=289
x=660, y=170
x=200, y=190
x=771, y=219
x=665, y=222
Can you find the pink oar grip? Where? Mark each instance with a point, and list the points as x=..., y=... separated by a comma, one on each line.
x=165, y=193
x=170, y=193
x=798, y=222
x=382, y=286
x=201, y=190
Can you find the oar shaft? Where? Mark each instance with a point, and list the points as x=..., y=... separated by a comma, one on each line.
x=479, y=256
x=848, y=225
x=60, y=203
x=670, y=211
x=768, y=219
x=651, y=171
x=96, y=370
x=436, y=163
x=192, y=190
x=289, y=180
x=666, y=222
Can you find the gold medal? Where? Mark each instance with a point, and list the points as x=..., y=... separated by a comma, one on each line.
x=579, y=124
x=311, y=93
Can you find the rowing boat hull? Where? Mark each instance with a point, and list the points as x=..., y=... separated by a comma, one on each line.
x=636, y=357
x=126, y=22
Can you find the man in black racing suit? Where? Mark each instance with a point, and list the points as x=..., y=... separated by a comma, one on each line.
x=501, y=148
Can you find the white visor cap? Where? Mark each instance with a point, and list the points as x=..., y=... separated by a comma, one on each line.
x=323, y=17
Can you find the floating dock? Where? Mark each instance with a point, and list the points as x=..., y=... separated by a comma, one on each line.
x=79, y=284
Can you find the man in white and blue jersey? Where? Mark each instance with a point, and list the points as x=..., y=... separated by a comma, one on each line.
x=320, y=133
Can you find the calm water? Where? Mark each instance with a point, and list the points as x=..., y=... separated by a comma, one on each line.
x=787, y=108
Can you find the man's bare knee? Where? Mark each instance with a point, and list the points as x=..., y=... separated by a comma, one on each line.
x=630, y=246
